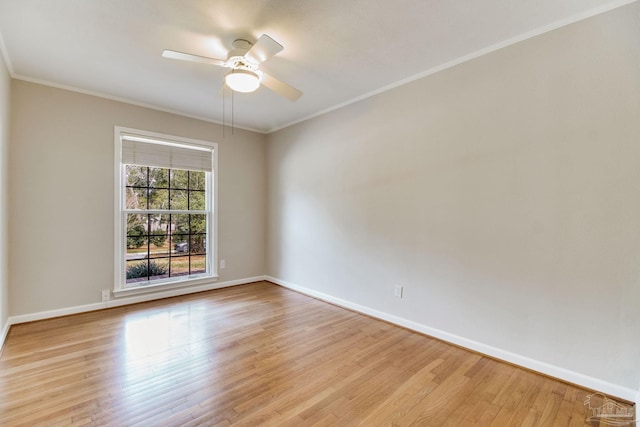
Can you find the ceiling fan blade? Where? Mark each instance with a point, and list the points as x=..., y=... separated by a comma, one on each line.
x=264, y=49
x=193, y=58
x=281, y=88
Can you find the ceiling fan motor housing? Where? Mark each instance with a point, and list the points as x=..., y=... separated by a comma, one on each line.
x=240, y=48
x=236, y=59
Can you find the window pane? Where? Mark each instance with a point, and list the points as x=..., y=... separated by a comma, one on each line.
x=180, y=224
x=180, y=244
x=196, y=181
x=136, y=271
x=158, y=269
x=137, y=245
x=136, y=198
x=196, y=200
x=158, y=199
x=158, y=177
x=198, y=223
x=179, y=266
x=179, y=179
x=159, y=224
x=197, y=244
x=136, y=175
x=198, y=264
x=136, y=224
x=179, y=200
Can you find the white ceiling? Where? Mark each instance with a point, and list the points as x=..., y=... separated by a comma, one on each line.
x=335, y=51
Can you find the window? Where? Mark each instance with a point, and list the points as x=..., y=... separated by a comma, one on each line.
x=165, y=222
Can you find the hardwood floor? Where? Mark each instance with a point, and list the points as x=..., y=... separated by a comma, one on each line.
x=259, y=354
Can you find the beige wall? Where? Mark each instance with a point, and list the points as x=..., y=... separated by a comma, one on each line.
x=503, y=194
x=61, y=194
x=5, y=86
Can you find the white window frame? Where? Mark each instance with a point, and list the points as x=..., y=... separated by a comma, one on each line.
x=120, y=287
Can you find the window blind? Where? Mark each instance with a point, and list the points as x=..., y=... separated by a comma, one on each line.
x=162, y=154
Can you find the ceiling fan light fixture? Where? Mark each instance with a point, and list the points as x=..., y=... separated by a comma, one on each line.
x=241, y=80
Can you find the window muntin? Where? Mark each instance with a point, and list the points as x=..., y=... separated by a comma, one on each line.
x=166, y=223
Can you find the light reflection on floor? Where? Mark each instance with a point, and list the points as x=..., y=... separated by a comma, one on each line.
x=159, y=342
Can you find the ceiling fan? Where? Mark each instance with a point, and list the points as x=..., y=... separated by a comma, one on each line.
x=244, y=61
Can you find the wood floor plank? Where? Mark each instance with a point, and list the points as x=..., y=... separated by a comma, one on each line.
x=259, y=354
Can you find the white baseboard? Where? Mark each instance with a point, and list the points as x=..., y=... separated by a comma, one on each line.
x=497, y=353
x=3, y=335
x=14, y=320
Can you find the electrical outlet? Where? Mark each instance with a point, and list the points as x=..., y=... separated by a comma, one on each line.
x=222, y=263
x=106, y=295
x=397, y=291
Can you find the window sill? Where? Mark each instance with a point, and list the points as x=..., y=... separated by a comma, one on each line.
x=159, y=287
